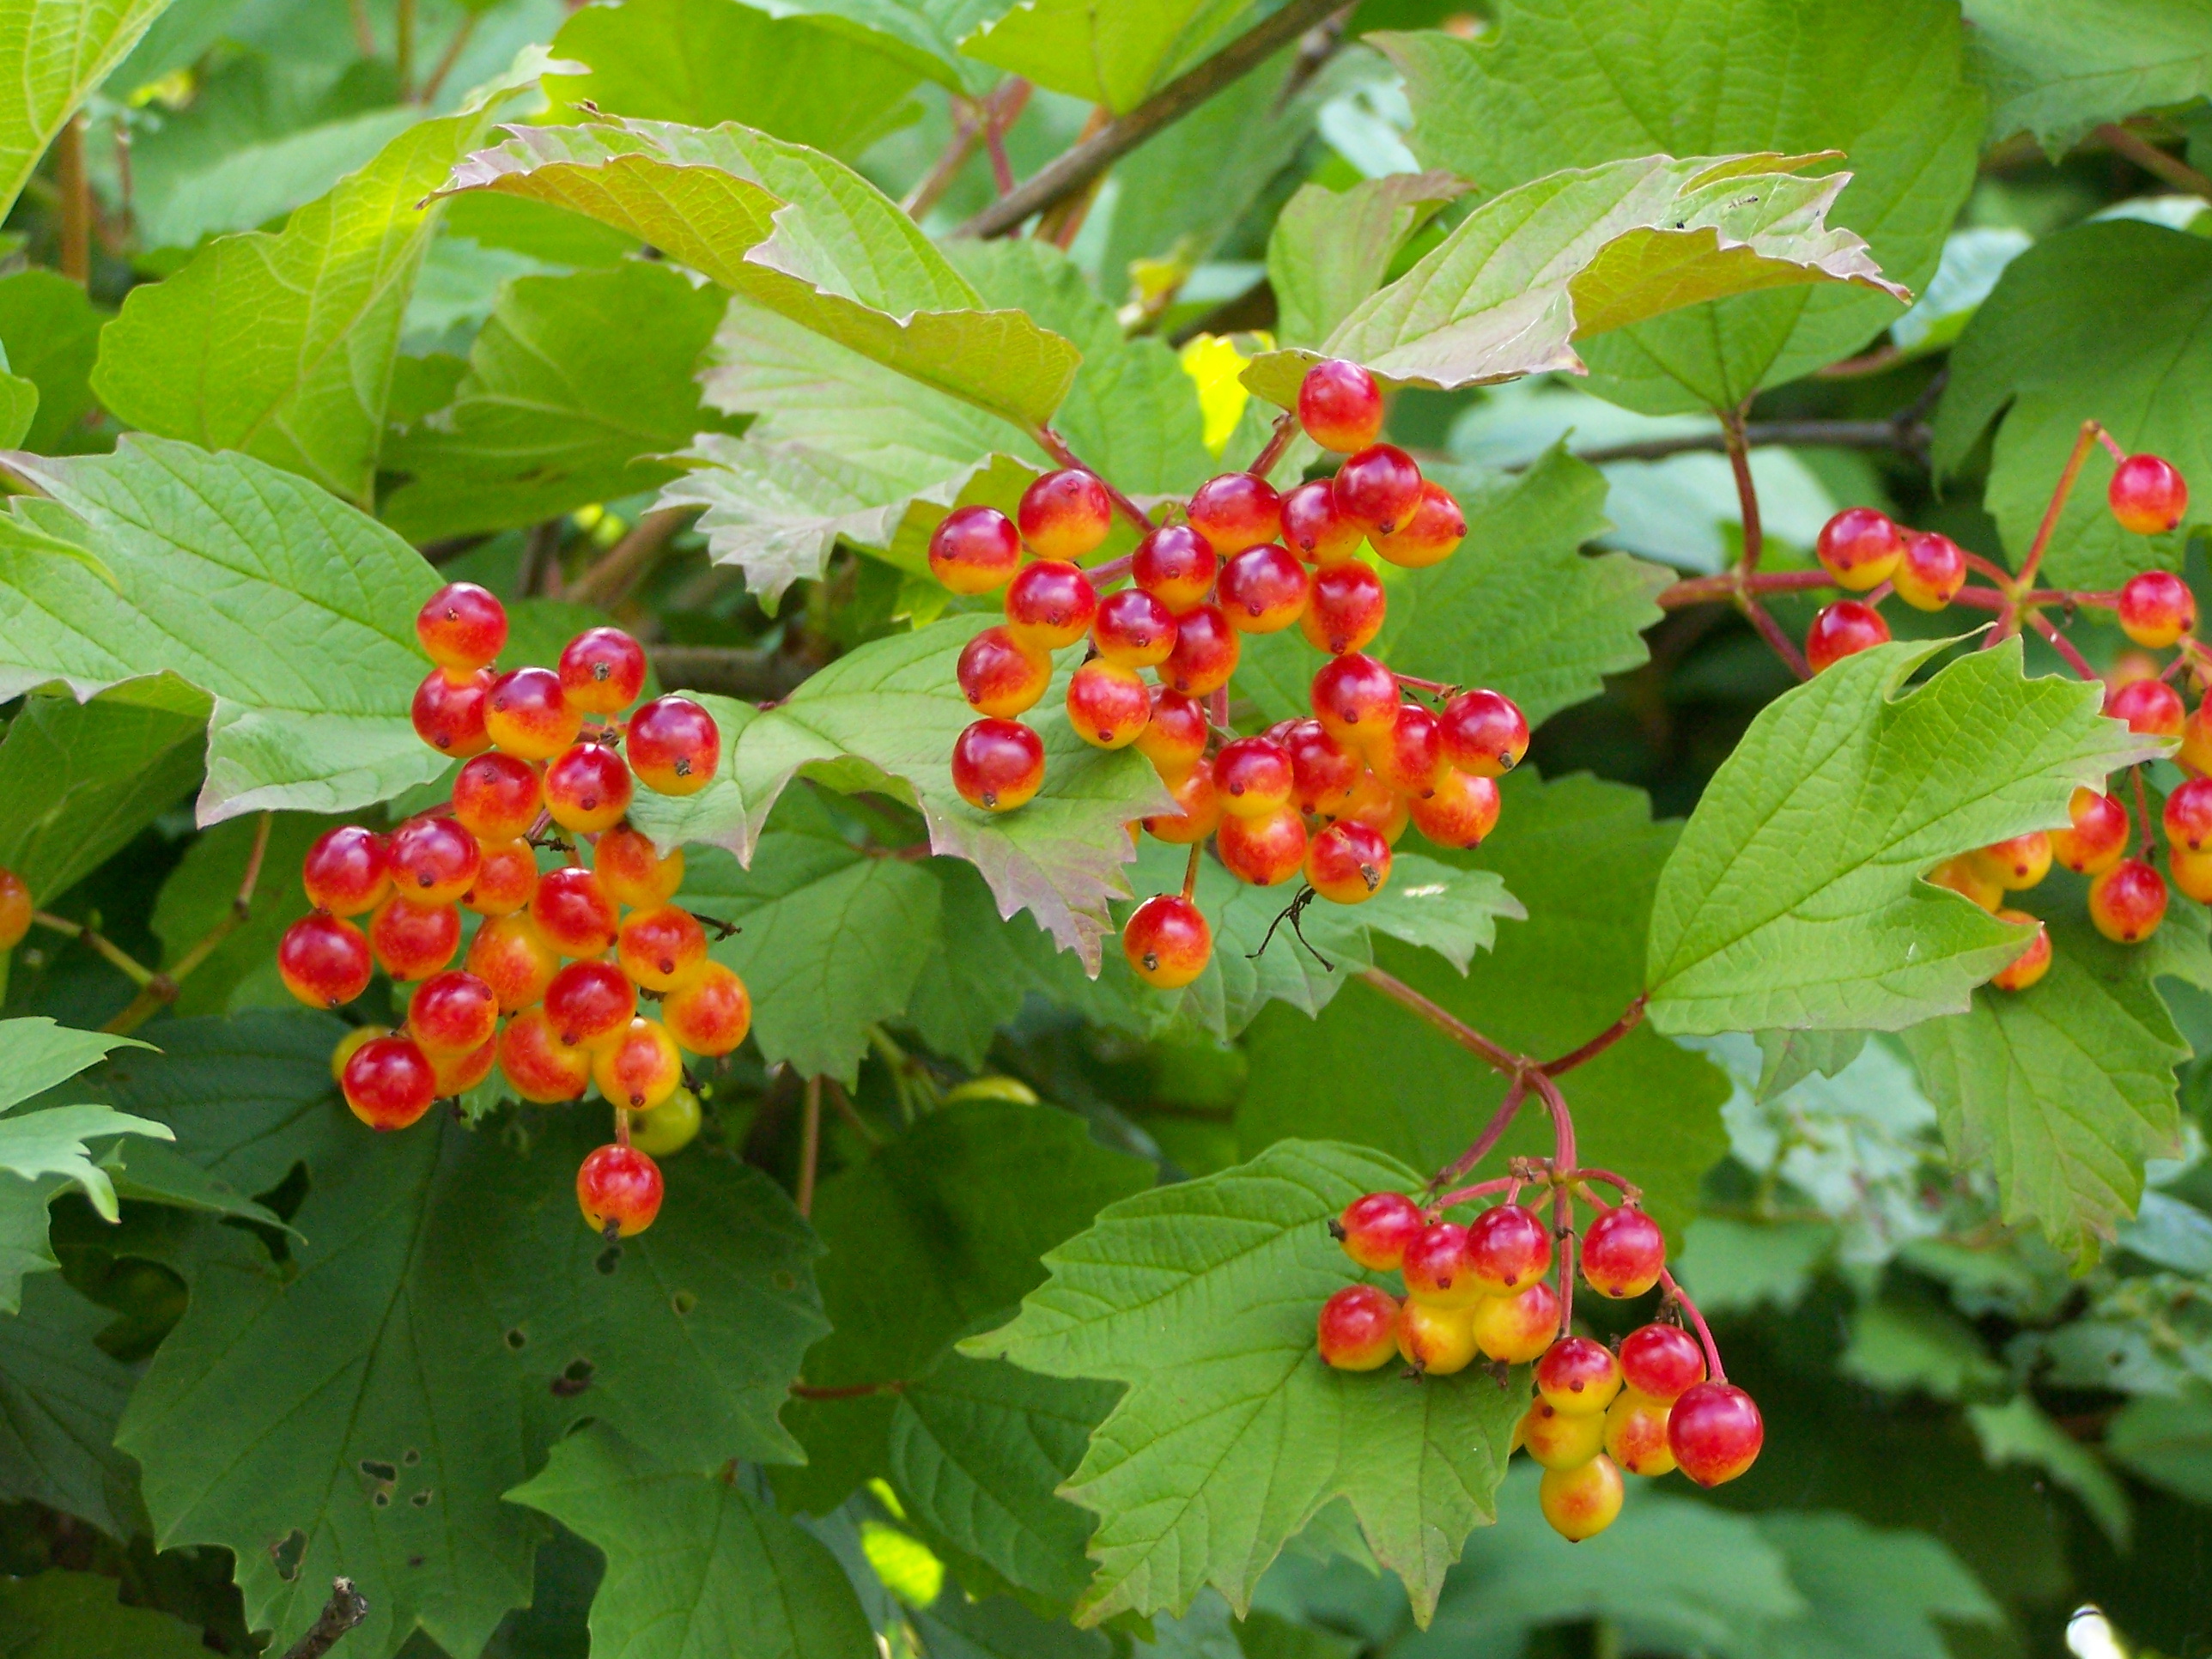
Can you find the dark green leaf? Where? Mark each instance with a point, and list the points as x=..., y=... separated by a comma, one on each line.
x=81, y=779
x=60, y=1398
x=51, y=332
x=76, y=1616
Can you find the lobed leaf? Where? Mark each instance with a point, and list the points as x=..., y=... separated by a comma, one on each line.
x=60, y=1397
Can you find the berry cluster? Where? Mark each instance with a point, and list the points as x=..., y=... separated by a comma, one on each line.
x=1326, y=796
x=1481, y=1289
x=549, y=989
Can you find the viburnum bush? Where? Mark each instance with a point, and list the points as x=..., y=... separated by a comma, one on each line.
x=1019, y=828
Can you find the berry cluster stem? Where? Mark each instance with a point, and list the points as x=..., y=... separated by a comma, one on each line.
x=1056, y=447
x=2091, y=431
x=1747, y=492
x=1279, y=440
x=1680, y=1297
x=809, y=1147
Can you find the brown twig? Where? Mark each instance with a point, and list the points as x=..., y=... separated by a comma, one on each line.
x=1747, y=492
x=2153, y=160
x=364, y=32
x=1498, y=1059
x=2090, y=432
x=1279, y=440
x=1706, y=590
x=447, y=58
x=1629, y=1019
x=1907, y=436
x=76, y=201
x=614, y=573
x=346, y=1608
x=402, y=54
x=810, y=1146
x=136, y=971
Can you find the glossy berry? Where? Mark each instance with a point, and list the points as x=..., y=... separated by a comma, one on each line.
x=1660, y=1361
x=1263, y=589
x=1264, y=851
x=588, y=788
x=632, y=871
x=1439, y=1268
x=1623, y=1253
x=1205, y=651
x=674, y=746
x=1509, y=1249
x=1174, y=739
x=998, y=765
x=453, y=1075
x=1133, y=629
x=2016, y=863
x=529, y=716
x=347, y=871
x=1107, y=704
x=1560, y=1440
x=1430, y=534
x=16, y=909
x=505, y=881
x=1374, y=1229
x=1235, y=510
x=1715, y=1433
x=389, y=1083
x=1966, y=878
x=1252, y=775
x=1198, y=809
x=1050, y=605
x=1345, y=609
x=452, y=1013
x=1323, y=772
x=1065, y=515
x=323, y=961
x=669, y=1127
x=1435, y=1340
x=2191, y=874
x=2128, y=901
x=1842, y=630
x=1930, y=573
x=517, y=962
x=350, y=1045
x=497, y=797
x=1167, y=941
x=618, y=1189
x=461, y=626
x=1578, y=1374
x=1408, y=753
x=2032, y=964
x=1860, y=548
x=974, y=550
x=1580, y=1502
x=1635, y=1435
x=2195, y=755
x=573, y=910
x=1176, y=566
x=2157, y=608
x=711, y=1014
x=1354, y=697
x=1001, y=677
x=412, y=941
x=2098, y=835
x=448, y=711
x=2151, y=708
x=1461, y=812
x=661, y=948
x=1373, y=802
x=2187, y=819
x=639, y=1067
x=1358, y=1328
x=1348, y=862
x=1315, y=529
x=433, y=860
x=1484, y=733
x=602, y=670
x=2148, y=494
x=1517, y=1328
x=1339, y=406
x=589, y=1003
x=1378, y=488
x=541, y=1067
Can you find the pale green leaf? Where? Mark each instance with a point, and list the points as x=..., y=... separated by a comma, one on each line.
x=1002, y=1628
x=1788, y=1058
x=77, y=1616
x=926, y=33
x=250, y=184
x=51, y=1142
x=60, y=1397
x=1103, y=51
x=1902, y=1342
x=1330, y=249
x=2057, y=72
x=81, y=779
x=53, y=53
x=2018, y=1431
x=1736, y=1266
x=37, y=1054
x=19, y=404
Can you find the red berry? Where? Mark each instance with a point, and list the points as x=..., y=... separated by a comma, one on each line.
x=1348, y=862
x=347, y=871
x=412, y=941
x=1461, y=812
x=1860, y=548
x=2098, y=835
x=389, y=1083
x=1578, y=1376
x=711, y=1014
x=1198, y=810
x=2188, y=817
x=1167, y=941
x=1107, y=704
x=529, y=715
x=453, y=1012
x=515, y=959
x=1517, y=1328
x=453, y=1075
x=1715, y=1433
x=1263, y=589
x=1252, y=775
x=1623, y=1252
x=573, y=910
x=618, y=1189
x=433, y=860
x=1842, y=630
x=2128, y=901
x=461, y=626
x=1266, y=851
x=1133, y=629
x=1439, y=1268
x=632, y=871
x=1066, y=514
x=1001, y=677
x=2034, y=962
x=1555, y=1440
x=674, y=746
x=2148, y=496
x=1174, y=739
x=1484, y=733
x=323, y=961
x=661, y=948
x=1355, y=697
x=638, y=1068
x=1176, y=566
x=2150, y=706
x=1206, y=653
x=589, y=1002
x=998, y=765
x=497, y=797
x=1376, y=1228
x=505, y=880
x=1428, y=535
x=1378, y=488
x=1375, y=802
x=2157, y=608
x=1358, y=1329
x=1659, y=1362
x=2016, y=863
x=588, y=788
x=1435, y=1342
x=602, y=670
x=1050, y=605
x=448, y=711
x=1315, y=530
x=1339, y=406
x=1323, y=772
x=1931, y=572
x=1408, y=753
x=1345, y=611
x=541, y=1068
x=1235, y=510
x=974, y=550
x=1509, y=1249
x=16, y=909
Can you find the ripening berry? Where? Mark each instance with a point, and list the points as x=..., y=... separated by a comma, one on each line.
x=2128, y=901
x=974, y=550
x=590, y=1003
x=661, y=948
x=1435, y=1340
x=2098, y=835
x=453, y=1075
x=1133, y=629
x=1050, y=605
x=1623, y=1253
x=1339, y=406
x=323, y=961
x=1263, y=589
x=1374, y=1229
x=1929, y=575
x=1438, y=1269
x=2032, y=964
x=1484, y=733
x=1842, y=630
x=1065, y=515
x=1579, y=1374
x=1358, y=1328
x=433, y=860
x=1375, y=802
x=2157, y=608
x=674, y=746
x=1659, y=1362
x=1354, y=697
x=1347, y=863
x=1560, y=1440
x=1174, y=739
x=1408, y=753
x=1323, y=772
x=1378, y=488
x=711, y=1014
x=2152, y=707
x=16, y=909
x=1176, y=566
x=2192, y=873
x=1583, y=1502
x=998, y=765
x=389, y=1083
x=1965, y=878
x=1205, y=651
x=1345, y=609
x=2187, y=819
x=639, y=1067
x=588, y=788
x=350, y=1045
x=452, y=1013
x=1314, y=528
x=1459, y=813
x=1860, y=548
x=2148, y=494
x=1107, y=704
x=497, y=797
x=618, y=1189
x=1509, y=1249
x=529, y=716
x=1715, y=1433
x=505, y=881
x=1252, y=775
x=412, y=941
x=461, y=626
x=1263, y=852
x=1198, y=809
x=347, y=871
x=1430, y=534
x=1635, y=1435
x=1235, y=511
x=2017, y=863
x=1517, y=1328
x=572, y=909
x=541, y=1068
x=632, y=871
x=602, y=670
x=448, y=711
x=669, y=1127
x=517, y=961
x=1001, y=677
x=1167, y=941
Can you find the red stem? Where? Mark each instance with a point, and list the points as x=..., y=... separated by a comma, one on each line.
x=847, y=1391
x=1703, y=590
x=1630, y=1192
x=1563, y=1226
x=2090, y=433
x=1112, y=571
x=1771, y=631
x=1502, y=1059
x=1698, y=1322
x=1434, y=688
x=1190, y=872
x=1491, y=1134
x=1747, y=493
x=1630, y=1018
x=1056, y=447
x=1467, y=1195
x=1286, y=427
x=2063, y=646
x=1980, y=599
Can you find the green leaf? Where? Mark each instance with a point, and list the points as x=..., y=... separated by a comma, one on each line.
x=2057, y=72
x=1795, y=897
x=1899, y=1343
x=1330, y=249
x=799, y=232
x=37, y=1054
x=1581, y=252
x=982, y=967
x=2105, y=321
x=696, y=1565
x=1001, y=1628
x=53, y=53
x=76, y=1616
x=1734, y=1267
x=304, y=637
x=52, y=1143
x=926, y=33
x=81, y=779
x=19, y=404
x=1788, y=1058
x=247, y=185
x=1898, y=1592
x=1103, y=54
x=1882, y=81
x=2018, y=1432
x=60, y=1397
x=1233, y=1434
x=2167, y=1440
